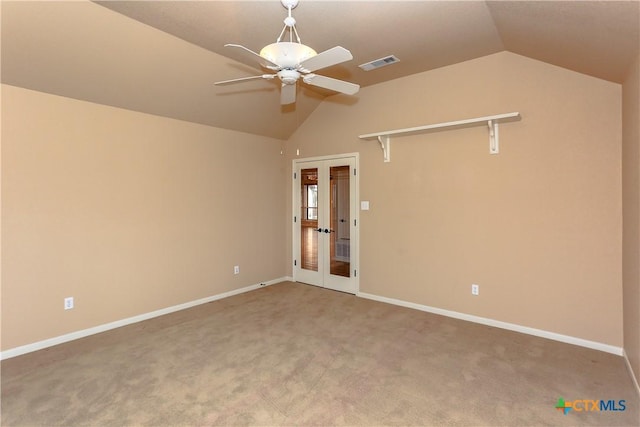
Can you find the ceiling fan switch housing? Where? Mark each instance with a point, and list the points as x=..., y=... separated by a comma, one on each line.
x=289, y=77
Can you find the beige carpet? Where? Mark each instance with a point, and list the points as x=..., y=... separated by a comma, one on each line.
x=292, y=354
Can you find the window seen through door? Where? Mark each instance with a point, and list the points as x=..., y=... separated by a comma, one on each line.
x=311, y=201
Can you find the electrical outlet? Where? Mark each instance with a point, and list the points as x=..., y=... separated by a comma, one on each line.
x=475, y=289
x=236, y=269
x=68, y=303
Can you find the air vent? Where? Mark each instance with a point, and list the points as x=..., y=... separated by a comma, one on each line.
x=387, y=60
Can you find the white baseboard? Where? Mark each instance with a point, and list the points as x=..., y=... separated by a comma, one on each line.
x=498, y=324
x=17, y=351
x=633, y=377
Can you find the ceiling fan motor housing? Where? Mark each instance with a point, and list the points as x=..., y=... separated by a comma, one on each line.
x=289, y=77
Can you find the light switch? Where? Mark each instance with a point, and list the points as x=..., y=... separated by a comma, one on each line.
x=364, y=205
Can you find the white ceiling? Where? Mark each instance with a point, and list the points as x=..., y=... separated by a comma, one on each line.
x=133, y=54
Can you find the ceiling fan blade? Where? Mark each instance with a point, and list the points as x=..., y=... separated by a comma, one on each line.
x=263, y=61
x=333, y=84
x=287, y=94
x=330, y=57
x=244, y=79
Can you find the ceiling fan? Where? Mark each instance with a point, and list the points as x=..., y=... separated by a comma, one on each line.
x=291, y=60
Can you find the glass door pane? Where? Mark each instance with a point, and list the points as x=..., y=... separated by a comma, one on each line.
x=325, y=235
x=340, y=222
x=309, y=219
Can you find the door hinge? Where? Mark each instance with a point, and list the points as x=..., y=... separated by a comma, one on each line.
x=295, y=262
x=295, y=176
x=354, y=171
x=355, y=222
x=355, y=273
x=295, y=219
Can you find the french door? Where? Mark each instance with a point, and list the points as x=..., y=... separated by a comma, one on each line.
x=325, y=223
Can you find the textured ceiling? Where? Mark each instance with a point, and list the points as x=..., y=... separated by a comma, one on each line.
x=132, y=54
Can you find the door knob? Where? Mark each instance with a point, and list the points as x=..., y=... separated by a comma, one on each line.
x=319, y=230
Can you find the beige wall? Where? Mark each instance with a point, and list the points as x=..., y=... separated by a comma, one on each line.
x=537, y=226
x=128, y=213
x=631, y=214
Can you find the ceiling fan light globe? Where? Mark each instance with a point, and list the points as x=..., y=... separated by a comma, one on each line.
x=287, y=54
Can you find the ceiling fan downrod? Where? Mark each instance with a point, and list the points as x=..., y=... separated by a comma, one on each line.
x=289, y=21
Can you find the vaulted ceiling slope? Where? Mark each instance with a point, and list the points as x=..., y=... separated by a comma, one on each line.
x=162, y=57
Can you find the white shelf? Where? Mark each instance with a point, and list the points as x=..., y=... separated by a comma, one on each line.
x=384, y=138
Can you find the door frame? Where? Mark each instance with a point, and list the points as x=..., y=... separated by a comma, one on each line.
x=355, y=244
